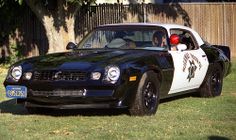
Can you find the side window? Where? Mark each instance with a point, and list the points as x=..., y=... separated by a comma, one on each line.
x=185, y=38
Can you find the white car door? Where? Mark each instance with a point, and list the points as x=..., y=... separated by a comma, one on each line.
x=190, y=66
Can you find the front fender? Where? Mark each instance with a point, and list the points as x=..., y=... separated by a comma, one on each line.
x=162, y=65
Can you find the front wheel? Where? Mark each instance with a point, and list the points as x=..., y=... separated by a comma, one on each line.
x=212, y=85
x=147, y=97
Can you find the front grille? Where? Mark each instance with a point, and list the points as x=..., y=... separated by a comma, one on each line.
x=60, y=93
x=59, y=75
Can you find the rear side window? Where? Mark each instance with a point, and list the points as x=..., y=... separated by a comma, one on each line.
x=185, y=38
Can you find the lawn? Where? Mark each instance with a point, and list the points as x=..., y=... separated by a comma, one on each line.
x=182, y=118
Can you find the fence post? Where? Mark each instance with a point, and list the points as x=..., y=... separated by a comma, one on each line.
x=144, y=13
x=224, y=23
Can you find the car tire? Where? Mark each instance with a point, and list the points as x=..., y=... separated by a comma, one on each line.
x=212, y=85
x=147, y=97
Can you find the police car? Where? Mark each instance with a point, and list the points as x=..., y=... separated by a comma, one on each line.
x=131, y=65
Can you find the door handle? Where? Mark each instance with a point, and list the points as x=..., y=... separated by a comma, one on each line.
x=204, y=55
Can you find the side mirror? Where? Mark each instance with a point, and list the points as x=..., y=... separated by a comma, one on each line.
x=70, y=46
x=181, y=47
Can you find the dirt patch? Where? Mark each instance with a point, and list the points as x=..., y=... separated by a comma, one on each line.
x=234, y=94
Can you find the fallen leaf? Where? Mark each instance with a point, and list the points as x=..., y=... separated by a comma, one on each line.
x=55, y=132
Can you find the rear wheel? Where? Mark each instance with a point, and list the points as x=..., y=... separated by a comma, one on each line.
x=147, y=97
x=213, y=83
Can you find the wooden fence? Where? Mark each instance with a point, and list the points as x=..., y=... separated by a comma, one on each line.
x=215, y=22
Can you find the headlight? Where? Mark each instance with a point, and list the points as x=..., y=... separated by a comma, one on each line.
x=16, y=72
x=112, y=74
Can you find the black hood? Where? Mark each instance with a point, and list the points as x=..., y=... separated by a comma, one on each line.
x=85, y=59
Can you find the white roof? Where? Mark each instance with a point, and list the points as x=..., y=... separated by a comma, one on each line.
x=166, y=26
x=149, y=24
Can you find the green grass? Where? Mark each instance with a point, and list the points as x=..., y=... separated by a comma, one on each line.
x=183, y=118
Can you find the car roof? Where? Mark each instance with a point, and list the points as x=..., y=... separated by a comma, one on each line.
x=167, y=26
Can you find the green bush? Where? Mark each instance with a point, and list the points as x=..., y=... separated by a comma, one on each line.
x=16, y=55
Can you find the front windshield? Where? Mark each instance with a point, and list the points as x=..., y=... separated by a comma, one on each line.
x=126, y=38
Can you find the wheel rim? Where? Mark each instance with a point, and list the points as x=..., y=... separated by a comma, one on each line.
x=216, y=82
x=150, y=98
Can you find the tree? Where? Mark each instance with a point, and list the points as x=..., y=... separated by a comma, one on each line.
x=10, y=20
x=58, y=19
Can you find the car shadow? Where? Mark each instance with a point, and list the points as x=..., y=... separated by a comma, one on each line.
x=89, y=112
x=194, y=95
x=10, y=106
x=218, y=138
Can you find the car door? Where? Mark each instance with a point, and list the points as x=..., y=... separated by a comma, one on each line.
x=190, y=65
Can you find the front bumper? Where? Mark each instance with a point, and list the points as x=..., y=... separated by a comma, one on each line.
x=72, y=99
x=76, y=95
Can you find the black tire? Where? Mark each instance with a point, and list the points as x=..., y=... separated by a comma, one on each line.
x=147, y=97
x=212, y=85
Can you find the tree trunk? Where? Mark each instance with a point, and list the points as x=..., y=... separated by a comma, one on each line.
x=58, y=37
x=58, y=22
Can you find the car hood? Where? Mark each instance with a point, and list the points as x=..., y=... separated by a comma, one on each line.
x=85, y=59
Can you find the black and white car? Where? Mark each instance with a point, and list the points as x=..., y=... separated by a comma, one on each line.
x=129, y=66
